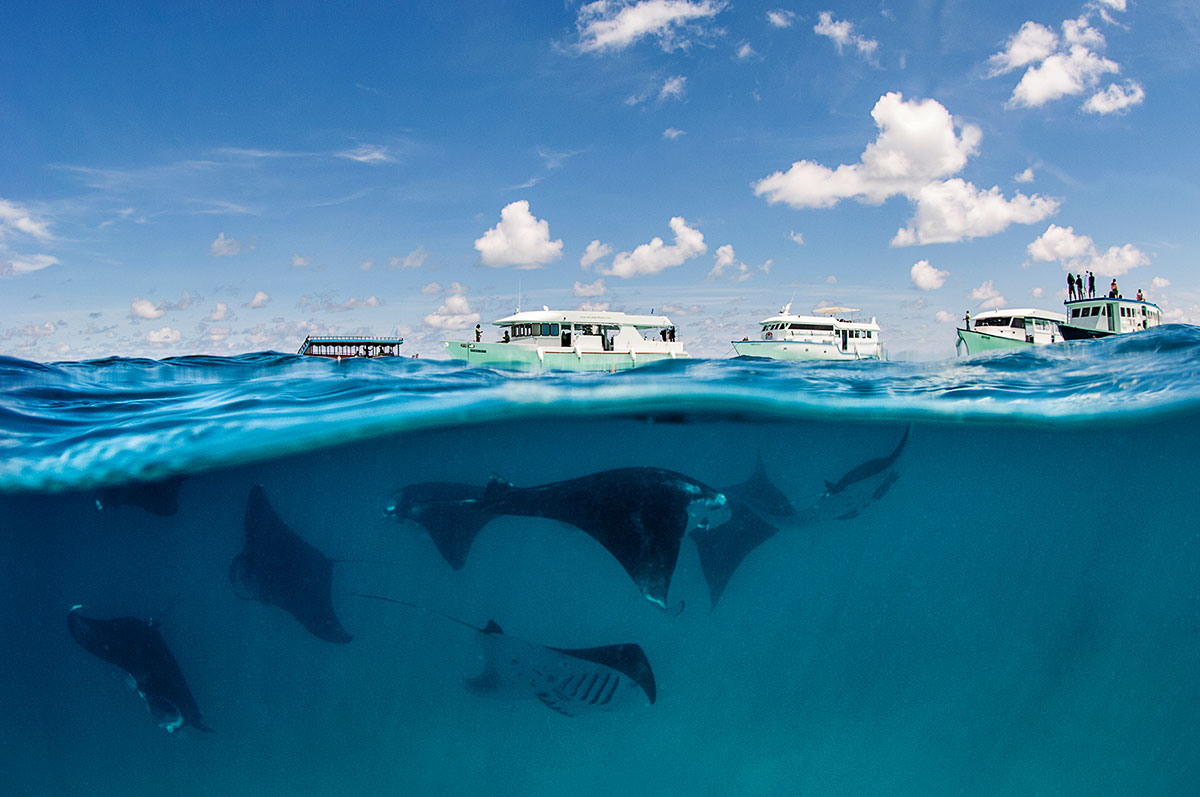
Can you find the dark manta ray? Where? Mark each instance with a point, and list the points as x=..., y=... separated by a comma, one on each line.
x=277, y=567
x=571, y=681
x=861, y=485
x=638, y=514
x=135, y=646
x=756, y=507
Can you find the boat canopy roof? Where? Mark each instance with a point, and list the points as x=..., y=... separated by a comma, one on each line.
x=1021, y=312
x=826, y=320
x=832, y=311
x=1102, y=299
x=601, y=317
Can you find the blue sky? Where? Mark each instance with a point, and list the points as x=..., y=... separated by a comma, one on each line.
x=225, y=178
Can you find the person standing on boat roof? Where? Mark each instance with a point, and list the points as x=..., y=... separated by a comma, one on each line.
x=1079, y=285
x=1070, y=286
x=1112, y=289
x=1140, y=298
x=1091, y=285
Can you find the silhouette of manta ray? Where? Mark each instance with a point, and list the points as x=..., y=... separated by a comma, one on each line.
x=136, y=647
x=279, y=568
x=723, y=548
x=570, y=681
x=157, y=497
x=639, y=515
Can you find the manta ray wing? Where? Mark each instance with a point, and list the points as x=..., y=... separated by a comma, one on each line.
x=452, y=514
x=279, y=568
x=723, y=548
x=136, y=646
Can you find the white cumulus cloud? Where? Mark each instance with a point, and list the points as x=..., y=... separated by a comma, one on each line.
x=224, y=247
x=1069, y=64
x=587, y=290
x=220, y=313
x=414, y=259
x=1158, y=283
x=673, y=88
x=260, y=300
x=299, y=262
x=520, y=239
x=781, y=18
x=455, y=313
x=1024, y=177
x=986, y=294
x=144, y=308
x=657, y=256
x=916, y=149
x=726, y=260
x=1079, y=252
x=595, y=251
x=926, y=277
x=942, y=317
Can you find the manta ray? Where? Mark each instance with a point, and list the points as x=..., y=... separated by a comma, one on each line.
x=279, y=568
x=136, y=646
x=571, y=681
x=157, y=497
x=639, y=515
x=758, y=509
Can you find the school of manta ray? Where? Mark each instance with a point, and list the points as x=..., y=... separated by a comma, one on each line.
x=639, y=515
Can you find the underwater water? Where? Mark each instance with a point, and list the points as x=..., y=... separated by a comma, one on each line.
x=977, y=576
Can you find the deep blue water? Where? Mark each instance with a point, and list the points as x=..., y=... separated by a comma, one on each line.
x=1011, y=605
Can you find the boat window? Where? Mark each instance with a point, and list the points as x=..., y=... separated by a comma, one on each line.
x=868, y=333
x=554, y=329
x=1018, y=323
x=1074, y=312
x=1001, y=321
x=814, y=327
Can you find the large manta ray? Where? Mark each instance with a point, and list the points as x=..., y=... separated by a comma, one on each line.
x=757, y=509
x=638, y=514
x=279, y=568
x=571, y=681
x=136, y=647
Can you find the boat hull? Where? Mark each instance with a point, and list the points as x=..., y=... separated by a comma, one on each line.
x=1079, y=333
x=523, y=358
x=796, y=350
x=979, y=342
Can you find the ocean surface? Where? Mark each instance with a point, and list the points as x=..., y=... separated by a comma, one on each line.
x=974, y=576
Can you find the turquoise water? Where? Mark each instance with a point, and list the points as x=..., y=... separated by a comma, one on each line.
x=1016, y=611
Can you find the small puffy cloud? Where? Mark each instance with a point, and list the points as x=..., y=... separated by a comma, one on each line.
x=414, y=259
x=1024, y=177
x=1037, y=293
x=520, y=239
x=727, y=260
x=781, y=18
x=916, y=149
x=927, y=278
x=1158, y=283
x=843, y=35
x=369, y=154
x=796, y=237
x=986, y=294
x=672, y=133
x=656, y=256
x=224, y=247
x=365, y=265
x=455, y=313
x=1079, y=252
x=1116, y=99
x=220, y=313
x=745, y=51
x=612, y=25
x=588, y=290
x=352, y=304
x=260, y=300
x=144, y=308
x=299, y=262
x=1064, y=65
x=673, y=88
x=595, y=251
x=164, y=335
x=942, y=317
x=431, y=288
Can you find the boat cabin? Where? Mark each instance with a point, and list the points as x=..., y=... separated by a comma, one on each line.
x=1022, y=324
x=338, y=347
x=1111, y=316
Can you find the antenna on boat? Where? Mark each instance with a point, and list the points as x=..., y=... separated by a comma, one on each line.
x=518, y=296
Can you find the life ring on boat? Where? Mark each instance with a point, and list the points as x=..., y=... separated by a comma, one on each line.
x=768, y=335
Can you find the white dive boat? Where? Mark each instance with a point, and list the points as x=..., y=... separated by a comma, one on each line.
x=1010, y=329
x=820, y=336
x=573, y=340
x=1104, y=316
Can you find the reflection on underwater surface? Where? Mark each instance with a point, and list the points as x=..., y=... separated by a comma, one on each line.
x=1007, y=604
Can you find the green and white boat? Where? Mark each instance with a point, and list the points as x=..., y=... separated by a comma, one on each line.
x=830, y=333
x=1010, y=329
x=573, y=340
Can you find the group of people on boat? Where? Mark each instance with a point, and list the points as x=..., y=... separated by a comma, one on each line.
x=1075, y=285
